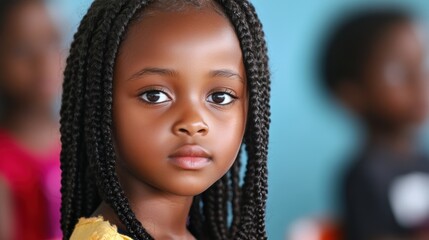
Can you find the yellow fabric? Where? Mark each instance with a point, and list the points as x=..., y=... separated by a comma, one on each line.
x=96, y=228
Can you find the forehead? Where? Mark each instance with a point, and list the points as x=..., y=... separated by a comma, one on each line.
x=193, y=39
x=168, y=30
x=401, y=38
x=28, y=16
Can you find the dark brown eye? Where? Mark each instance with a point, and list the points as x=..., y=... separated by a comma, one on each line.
x=221, y=98
x=155, y=96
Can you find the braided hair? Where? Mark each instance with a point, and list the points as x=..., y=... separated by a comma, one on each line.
x=232, y=208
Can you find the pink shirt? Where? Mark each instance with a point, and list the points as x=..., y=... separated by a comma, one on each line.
x=34, y=182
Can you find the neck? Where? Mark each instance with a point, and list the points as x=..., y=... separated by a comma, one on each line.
x=163, y=215
x=18, y=117
x=401, y=141
x=35, y=128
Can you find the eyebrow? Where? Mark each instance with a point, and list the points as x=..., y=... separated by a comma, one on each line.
x=227, y=74
x=168, y=72
x=153, y=70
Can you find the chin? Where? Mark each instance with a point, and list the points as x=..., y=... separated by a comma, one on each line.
x=189, y=187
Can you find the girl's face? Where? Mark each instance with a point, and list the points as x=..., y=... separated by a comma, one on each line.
x=179, y=101
x=30, y=59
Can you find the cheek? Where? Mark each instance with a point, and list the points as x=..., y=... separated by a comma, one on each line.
x=226, y=139
x=141, y=142
x=139, y=135
x=395, y=97
x=16, y=75
x=27, y=82
x=396, y=103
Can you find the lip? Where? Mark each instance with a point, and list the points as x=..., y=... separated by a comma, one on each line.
x=190, y=157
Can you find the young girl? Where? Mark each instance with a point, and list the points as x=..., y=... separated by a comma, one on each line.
x=159, y=97
x=30, y=83
x=374, y=63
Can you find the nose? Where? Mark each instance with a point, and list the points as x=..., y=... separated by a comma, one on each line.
x=191, y=123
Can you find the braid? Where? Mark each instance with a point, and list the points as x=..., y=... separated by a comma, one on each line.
x=254, y=190
x=196, y=219
x=235, y=197
x=264, y=95
x=88, y=157
x=71, y=133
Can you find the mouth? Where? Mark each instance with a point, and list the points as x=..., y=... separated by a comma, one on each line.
x=190, y=157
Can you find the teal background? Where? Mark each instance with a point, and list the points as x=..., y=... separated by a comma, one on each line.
x=310, y=135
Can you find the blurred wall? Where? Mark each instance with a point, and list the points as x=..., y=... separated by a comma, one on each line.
x=310, y=135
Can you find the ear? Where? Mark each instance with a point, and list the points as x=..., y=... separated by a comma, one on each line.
x=352, y=96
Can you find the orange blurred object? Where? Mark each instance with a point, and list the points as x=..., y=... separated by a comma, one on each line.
x=315, y=229
x=330, y=231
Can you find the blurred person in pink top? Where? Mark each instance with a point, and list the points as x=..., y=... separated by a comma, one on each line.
x=30, y=82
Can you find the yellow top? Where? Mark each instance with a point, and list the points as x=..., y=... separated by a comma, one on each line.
x=96, y=228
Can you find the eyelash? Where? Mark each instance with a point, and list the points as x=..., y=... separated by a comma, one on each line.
x=227, y=91
x=153, y=89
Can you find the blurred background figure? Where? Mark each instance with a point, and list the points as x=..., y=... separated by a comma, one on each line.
x=31, y=65
x=374, y=64
x=312, y=136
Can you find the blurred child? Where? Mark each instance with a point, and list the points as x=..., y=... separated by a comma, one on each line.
x=374, y=64
x=30, y=79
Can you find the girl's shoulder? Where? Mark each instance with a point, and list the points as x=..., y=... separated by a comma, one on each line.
x=96, y=228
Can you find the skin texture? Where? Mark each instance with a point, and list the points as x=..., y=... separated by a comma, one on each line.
x=392, y=97
x=179, y=83
x=30, y=78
